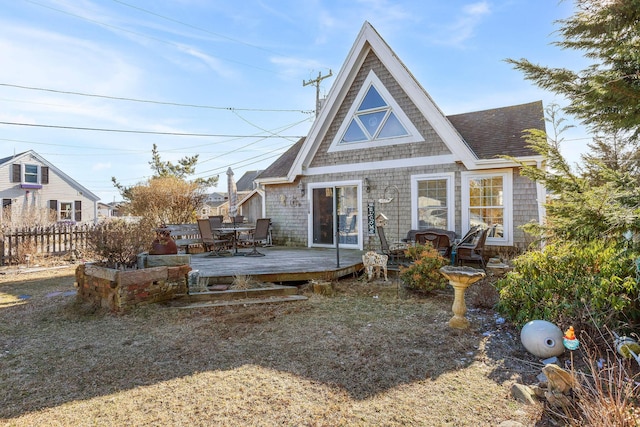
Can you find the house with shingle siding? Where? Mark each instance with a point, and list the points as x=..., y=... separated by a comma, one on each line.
x=380, y=145
x=34, y=190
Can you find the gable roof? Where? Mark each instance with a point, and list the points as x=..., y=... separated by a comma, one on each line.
x=245, y=183
x=465, y=142
x=17, y=157
x=282, y=165
x=502, y=126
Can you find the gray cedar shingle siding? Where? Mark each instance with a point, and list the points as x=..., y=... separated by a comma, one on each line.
x=433, y=147
x=483, y=131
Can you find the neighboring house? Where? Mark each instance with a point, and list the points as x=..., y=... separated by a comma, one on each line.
x=249, y=199
x=213, y=205
x=247, y=182
x=35, y=191
x=108, y=210
x=216, y=198
x=381, y=145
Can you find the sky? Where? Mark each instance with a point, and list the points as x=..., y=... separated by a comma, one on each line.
x=91, y=85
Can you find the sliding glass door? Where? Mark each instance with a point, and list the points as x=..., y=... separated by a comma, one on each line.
x=331, y=203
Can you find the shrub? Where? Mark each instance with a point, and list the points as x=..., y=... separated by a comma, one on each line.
x=422, y=273
x=606, y=389
x=117, y=243
x=569, y=283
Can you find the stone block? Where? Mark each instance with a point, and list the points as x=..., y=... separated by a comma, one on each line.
x=167, y=260
x=147, y=275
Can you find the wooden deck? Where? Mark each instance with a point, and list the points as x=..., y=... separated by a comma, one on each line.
x=279, y=265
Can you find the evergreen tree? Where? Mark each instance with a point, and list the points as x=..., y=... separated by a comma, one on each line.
x=606, y=95
x=601, y=204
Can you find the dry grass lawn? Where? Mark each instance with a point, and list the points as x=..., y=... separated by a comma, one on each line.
x=369, y=355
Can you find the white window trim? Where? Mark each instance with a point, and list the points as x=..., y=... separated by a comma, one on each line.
x=507, y=197
x=23, y=173
x=373, y=80
x=72, y=211
x=309, y=195
x=451, y=200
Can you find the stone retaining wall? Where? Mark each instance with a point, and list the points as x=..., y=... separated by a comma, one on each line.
x=120, y=290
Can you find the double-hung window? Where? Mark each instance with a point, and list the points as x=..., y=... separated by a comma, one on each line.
x=29, y=175
x=487, y=202
x=432, y=200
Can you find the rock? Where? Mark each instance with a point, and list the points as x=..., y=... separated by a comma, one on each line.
x=539, y=391
x=558, y=380
x=557, y=400
x=523, y=394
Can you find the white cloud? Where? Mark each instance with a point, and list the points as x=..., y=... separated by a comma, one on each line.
x=463, y=27
x=213, y=63
x=476, y=9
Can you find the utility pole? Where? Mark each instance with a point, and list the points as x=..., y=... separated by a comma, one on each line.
x=316, y=83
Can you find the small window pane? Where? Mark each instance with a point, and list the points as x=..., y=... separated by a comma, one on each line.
x=372, y=100
x=354, y=133
x=372, y=121
x=392, y=128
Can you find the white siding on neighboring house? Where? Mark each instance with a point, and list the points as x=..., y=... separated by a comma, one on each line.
x=34, y=191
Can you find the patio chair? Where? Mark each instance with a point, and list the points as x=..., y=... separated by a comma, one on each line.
x=212, y=241
x=394, y=254
x=261, y=233
x=439, y=241
x=473, y=251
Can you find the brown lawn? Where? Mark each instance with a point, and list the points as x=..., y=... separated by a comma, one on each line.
x=372, y=354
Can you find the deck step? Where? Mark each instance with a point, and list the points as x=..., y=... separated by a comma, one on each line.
x=244, y=301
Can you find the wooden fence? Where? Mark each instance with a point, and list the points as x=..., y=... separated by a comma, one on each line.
x=56, y=240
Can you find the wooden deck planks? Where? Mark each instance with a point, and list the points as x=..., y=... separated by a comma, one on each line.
x=279, y=265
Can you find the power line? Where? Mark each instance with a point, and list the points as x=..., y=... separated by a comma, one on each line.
x=196, y=27
x=148, y=101
x=147, y=132
x=137, y=33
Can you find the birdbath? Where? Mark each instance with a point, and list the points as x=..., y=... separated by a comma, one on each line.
x=460, y=278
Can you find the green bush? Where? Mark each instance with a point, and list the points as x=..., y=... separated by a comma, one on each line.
x=422, y=273
x=587, y=284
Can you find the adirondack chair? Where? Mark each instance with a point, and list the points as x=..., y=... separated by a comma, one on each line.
x=473, y=251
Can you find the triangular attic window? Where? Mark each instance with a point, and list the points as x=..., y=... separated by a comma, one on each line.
x=373, y=120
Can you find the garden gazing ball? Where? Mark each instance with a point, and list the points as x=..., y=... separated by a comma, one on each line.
x=542, y=339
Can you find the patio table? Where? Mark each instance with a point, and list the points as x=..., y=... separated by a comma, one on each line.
x=236, y=233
